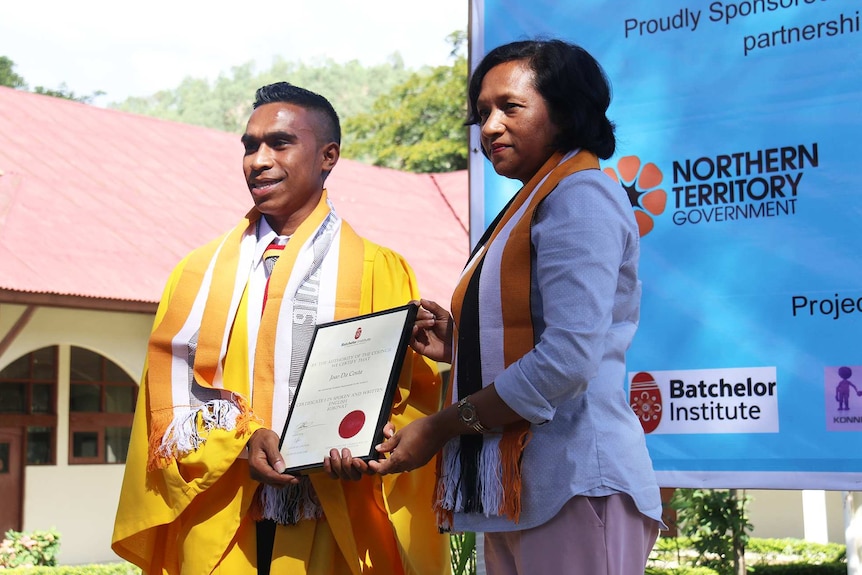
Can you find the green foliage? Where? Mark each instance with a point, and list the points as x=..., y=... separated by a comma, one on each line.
x=672, y=543
x=63, y=92
x=771, y=557
x=717, y=522
x=673, y=555
x=226, y=103
x=418, y=126
x=104, y=569
x=8, y=77
x=683, y=570
x=463, y=548
x=800, y=569
x=391, y=116
x=769, y=551
x=29, y=549
x=777, y=569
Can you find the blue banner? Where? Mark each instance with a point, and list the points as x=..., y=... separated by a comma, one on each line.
x=739, y=130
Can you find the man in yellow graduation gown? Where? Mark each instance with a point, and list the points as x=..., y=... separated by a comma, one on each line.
x=203, y=490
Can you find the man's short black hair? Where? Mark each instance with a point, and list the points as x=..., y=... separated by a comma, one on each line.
x=289, y=94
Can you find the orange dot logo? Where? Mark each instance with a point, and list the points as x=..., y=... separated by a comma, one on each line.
x=641, y=183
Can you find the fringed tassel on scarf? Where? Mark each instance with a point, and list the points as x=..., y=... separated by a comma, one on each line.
x=511, y=451
x=471, y=482
x=496, y=489
x=188, y=430
x=491, y=488
x=448, y=477
x=246, y=416
x=159, y=422
x=286, y=505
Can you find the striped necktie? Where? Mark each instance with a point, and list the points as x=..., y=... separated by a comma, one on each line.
x=270, y=256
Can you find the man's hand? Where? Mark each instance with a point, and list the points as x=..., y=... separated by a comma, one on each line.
x=264, y=459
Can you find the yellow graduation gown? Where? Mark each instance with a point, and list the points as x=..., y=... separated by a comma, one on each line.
x=191, y=517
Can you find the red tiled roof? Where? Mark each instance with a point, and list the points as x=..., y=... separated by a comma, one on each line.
x=98, y=203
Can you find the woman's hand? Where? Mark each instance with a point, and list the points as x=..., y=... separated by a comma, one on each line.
x=264, y=459
x=410, y=448
x=432, y=332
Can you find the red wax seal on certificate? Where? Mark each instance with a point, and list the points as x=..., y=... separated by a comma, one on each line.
x=645, y=399
x=351, y=424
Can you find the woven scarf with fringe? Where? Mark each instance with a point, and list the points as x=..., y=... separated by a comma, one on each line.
x=318, y=279
x=482, y=473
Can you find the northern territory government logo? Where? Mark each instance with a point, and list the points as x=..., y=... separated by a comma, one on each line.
x=725, y=187
x=725, y=400
x=641, y=183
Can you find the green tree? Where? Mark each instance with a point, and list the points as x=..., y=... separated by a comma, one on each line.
x=351, y=87
x=8, y=77
x=717, y=522
x=391, y=116
x=226, y=103
x=419, y=125
x=63, y=92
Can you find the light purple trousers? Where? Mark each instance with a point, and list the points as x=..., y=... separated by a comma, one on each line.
x=589, y=536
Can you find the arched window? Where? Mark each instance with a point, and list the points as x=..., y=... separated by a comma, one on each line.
x=28, y=399
x=101, y=406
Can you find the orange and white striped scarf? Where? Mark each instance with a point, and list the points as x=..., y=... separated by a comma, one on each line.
x=482, y=473
x=187, y=394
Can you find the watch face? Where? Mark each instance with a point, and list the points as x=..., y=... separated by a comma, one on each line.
x=467, y=413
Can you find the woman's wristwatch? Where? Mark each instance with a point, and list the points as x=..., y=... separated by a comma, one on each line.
x=469, y=417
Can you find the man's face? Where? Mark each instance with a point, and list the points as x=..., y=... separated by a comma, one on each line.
x=286, y=158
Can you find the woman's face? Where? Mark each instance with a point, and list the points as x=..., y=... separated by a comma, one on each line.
x=517, y=132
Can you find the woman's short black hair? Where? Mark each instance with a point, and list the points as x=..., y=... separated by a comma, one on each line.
x=288, y=93
x=573, y=84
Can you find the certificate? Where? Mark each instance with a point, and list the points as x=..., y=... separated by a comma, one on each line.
x=346, y=387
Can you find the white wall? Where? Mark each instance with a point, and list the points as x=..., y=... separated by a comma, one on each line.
x=779, y=513
x=80, y=501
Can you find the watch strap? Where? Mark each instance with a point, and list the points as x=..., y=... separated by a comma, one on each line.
x=479, y=428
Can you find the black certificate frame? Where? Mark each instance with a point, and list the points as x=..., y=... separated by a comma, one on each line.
x=298, y=422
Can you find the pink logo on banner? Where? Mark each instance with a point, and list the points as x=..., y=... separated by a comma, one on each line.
x=358, y=333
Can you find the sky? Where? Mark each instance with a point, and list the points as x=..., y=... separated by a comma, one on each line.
x=136, y=49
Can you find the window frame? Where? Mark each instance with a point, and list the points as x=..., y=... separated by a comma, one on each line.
x=28, y=418
x=98, y=421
